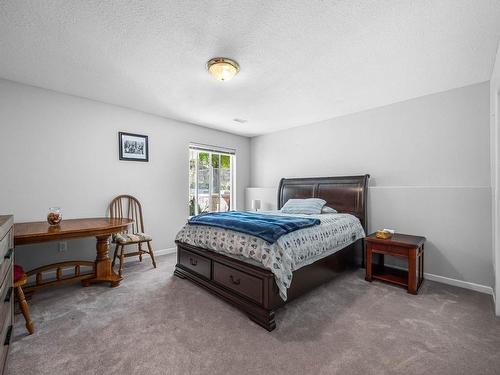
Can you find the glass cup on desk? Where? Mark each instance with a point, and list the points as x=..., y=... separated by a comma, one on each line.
x=54, y=216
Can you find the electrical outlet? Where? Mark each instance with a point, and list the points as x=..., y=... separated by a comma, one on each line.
x=63, y=246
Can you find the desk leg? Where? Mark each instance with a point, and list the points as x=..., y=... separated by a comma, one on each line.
x=103, y=270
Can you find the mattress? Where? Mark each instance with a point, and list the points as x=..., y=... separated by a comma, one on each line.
x=289, y=253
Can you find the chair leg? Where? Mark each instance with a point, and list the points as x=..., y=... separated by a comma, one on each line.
x=122, y=258
x=151, y=254
x=114, y=256
x=139, y=245
x=25, y=310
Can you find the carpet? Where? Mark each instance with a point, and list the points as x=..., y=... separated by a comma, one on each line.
x=155, y=323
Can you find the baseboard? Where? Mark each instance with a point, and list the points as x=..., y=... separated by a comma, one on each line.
x=51, y=275
x=157, y=253
x=497, y=308
x=170, y=250
x=462, y=284
x=429, y=276
x=454, y=282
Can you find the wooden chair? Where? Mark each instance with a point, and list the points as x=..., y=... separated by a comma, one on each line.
x=20, y=279
x=126, y=206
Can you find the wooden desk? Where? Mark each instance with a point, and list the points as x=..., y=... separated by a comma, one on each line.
x=101, y=228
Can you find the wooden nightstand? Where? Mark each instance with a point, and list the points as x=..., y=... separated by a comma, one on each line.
x=399, y=245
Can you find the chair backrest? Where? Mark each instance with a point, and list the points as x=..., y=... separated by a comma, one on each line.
x=127, y=207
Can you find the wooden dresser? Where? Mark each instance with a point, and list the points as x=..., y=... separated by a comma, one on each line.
x=6, y=289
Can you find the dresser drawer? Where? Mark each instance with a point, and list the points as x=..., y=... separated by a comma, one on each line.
x=5, y=245
x=6, y=255
x=6, y=292
x=241, y=282
x=6, y=298
x=195, y=263
x=5, y=336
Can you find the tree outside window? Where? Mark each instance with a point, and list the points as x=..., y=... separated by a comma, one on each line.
x=210, y=181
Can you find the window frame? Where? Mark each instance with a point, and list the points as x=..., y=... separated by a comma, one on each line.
x=211, y=150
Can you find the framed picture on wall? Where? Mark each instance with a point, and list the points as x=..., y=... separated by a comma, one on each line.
x=133, y=147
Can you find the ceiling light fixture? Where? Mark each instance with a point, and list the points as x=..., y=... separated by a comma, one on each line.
x=222, y=68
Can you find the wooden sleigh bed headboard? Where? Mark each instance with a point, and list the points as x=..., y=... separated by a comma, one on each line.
x=346, y=194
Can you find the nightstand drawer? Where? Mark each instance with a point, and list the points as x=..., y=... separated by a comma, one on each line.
x=389, y=249
x=378, y=247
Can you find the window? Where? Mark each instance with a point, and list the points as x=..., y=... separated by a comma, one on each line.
x=211, y=179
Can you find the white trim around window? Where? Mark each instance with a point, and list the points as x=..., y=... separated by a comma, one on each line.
x=212, y=179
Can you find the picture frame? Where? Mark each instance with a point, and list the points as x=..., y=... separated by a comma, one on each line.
x=133, y=147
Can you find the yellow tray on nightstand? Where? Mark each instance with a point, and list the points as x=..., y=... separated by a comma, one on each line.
x=384, y=234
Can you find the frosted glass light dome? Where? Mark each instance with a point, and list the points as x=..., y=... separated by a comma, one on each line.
x=222, y=68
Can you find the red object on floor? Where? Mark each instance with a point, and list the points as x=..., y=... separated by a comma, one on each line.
x=18, y=272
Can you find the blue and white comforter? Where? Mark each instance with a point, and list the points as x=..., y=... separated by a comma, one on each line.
x=289, y=253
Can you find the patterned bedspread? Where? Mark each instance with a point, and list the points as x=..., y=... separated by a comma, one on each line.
x=291, y=252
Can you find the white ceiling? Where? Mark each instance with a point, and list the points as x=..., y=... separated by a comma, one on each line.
x=301, y=61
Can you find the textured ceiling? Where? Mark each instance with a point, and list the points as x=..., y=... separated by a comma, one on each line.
x=301, y=61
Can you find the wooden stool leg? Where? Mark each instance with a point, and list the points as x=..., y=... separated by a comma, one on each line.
x=139, y=245
x=25, y=310
x=151, y=254
x=122, y=258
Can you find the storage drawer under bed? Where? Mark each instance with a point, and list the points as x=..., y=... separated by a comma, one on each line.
x=247, y=285
x=195, y=263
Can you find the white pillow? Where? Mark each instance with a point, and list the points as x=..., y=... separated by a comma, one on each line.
x=303, y=206
x=328, y=210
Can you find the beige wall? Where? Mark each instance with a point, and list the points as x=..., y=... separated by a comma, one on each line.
x=60, y=150
x=429, y=160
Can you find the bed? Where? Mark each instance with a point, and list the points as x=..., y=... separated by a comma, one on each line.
x=253, y=289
